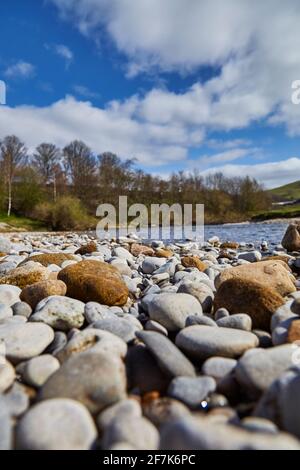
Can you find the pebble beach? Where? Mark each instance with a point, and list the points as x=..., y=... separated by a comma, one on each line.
x=126, y=345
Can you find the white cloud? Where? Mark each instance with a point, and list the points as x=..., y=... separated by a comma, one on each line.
x=226, y=156
x=62, y=51
x=271, y=174
x=85, y=92
x=20, y=69
x=255, y=44
x=102, y=128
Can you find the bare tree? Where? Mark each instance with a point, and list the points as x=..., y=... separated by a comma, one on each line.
x=46, y=159
x=80, y=166
x=13, y=154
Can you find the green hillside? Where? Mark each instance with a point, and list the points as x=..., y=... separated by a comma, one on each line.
x=287, y=192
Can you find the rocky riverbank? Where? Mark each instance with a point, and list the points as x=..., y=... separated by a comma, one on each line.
x=120, y=345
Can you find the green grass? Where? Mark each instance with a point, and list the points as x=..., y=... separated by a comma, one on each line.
x=279, y=213
x=288, y=192
x=17, y=222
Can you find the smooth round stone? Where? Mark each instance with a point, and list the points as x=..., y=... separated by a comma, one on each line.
x=94, y=312
x=9, y=295
x=169, y=358
x=93, y=339
x=5, y=245
x=25, y=340
x=197, y=320
x=264, y=338
x=162, y=410
x=16, y=400
x=61, y=313
x=22, y=309
x=38, y=370
x=239, y=321
x=5, y=312
x=121, y=252
x=258, y=368
x=251, y=256
x=58, y=343
x=289, y=405
x=6, y=427
x=6, y=267
x=169, y=267
x=143, y=373
x=218, y=367
x=282, y=313
x=7, y=374
x=58, y=424
x=152, y=325
x=190, y=433
x=127, y=408
x=295, y=307
x=94, y=378
x=150, y=264
x=172, y=310
x=200, y=291
x=157, y=278
x=121, y=327
x=202, y=342
x=256, y=424
x=138, y=432
x=221, y=313
x=191, y=390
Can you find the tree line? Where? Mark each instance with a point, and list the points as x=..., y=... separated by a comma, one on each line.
x=50, y=181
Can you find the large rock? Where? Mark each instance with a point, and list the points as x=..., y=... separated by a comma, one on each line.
x=172, y=310
x=258, y=368
x=61, y=313
x=94, y=281
x=51, y=258
x=291, y=239
x=25, y=340
x=94, y=378
x=26, y=275
x=241, y=295
x=34, y=293
x=59, y=424
x=281, y=402
x=195, y=433
x=171, y=361
x=272, y=274
x=202, y=342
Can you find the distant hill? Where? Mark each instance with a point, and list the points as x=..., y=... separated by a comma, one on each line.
x=288, y=192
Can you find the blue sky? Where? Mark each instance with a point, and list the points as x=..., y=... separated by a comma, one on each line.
x=206, y=86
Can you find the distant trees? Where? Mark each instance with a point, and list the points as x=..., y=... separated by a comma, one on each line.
x=46, y=160
x=80, y=167
x=42, y=183
x=13, y=155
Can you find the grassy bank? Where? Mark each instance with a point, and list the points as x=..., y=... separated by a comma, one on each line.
x=18, y=223
x=285, y=212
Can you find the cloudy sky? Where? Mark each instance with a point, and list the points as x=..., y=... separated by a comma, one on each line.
x=176, y=84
